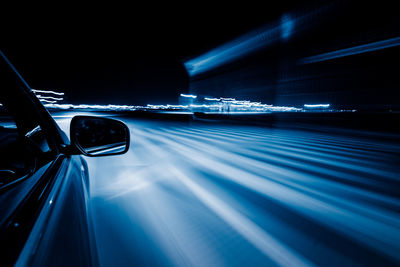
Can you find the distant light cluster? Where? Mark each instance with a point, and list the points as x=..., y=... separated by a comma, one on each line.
x=223, y=105
x=188, y=103
x=227, y=108
x=220, y=105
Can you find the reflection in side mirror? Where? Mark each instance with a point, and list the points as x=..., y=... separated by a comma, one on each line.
x=96, y=136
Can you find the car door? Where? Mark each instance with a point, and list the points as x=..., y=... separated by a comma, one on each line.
x=44, y=217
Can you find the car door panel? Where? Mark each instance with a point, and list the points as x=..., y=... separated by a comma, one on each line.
x=62, y=230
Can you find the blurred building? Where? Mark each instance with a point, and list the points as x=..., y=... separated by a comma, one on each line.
x=343, y=54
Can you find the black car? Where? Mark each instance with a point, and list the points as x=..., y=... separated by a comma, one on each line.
x=44, y=183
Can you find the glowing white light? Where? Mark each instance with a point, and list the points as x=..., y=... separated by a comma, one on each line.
x=192, y=96
x=49, y=97
x=85, y=106
x=223, y=105
x=47, y=92
x=317, y=105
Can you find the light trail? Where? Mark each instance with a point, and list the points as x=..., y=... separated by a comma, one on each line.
x=271, y=247
x=242, y=46
x=49, y=97
x=190, y=96
x=47, y=92
x=207, y=194
x=365, y=48
x=317, y=105
x=48, y=101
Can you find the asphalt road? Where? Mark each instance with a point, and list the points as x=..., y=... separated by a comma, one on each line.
x=197, y=194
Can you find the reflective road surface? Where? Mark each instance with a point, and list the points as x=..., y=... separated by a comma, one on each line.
x=197, y=194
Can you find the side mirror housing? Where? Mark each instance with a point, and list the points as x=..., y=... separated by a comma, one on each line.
x=97, y=136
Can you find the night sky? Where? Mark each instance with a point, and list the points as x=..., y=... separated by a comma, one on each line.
x=123, y=54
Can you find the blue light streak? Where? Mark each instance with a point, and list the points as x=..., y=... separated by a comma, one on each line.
x=352, y=51
x=287, y=25
x=242, y=46
x=232, y=51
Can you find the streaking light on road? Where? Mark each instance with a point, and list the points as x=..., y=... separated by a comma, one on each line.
x=290, y=169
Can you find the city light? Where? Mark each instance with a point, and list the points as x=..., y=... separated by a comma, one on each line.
x=207, y=105
x=47, y=101
x=97, y=107
x=49, y=97
x=317, y=105
x=191, y=96
x=47, y=92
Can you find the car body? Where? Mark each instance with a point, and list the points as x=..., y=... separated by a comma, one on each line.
x=44, y=182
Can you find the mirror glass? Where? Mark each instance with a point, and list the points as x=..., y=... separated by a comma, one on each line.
x=96, y=136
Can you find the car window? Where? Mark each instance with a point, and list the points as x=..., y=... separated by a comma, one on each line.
x=22, y=151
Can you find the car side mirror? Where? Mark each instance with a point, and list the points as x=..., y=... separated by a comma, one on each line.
x=97, y=136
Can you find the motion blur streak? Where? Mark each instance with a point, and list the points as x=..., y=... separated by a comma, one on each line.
x=241, y=46
x=332, y=215
x=353, y=51
x=229, y=195
x=47, y=92
x=264, y=242
x=316, y=105
x=49, y=97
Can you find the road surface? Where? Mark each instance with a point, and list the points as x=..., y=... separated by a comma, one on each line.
x=197, y=194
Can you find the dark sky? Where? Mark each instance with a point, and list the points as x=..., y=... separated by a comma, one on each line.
x=123, y=54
